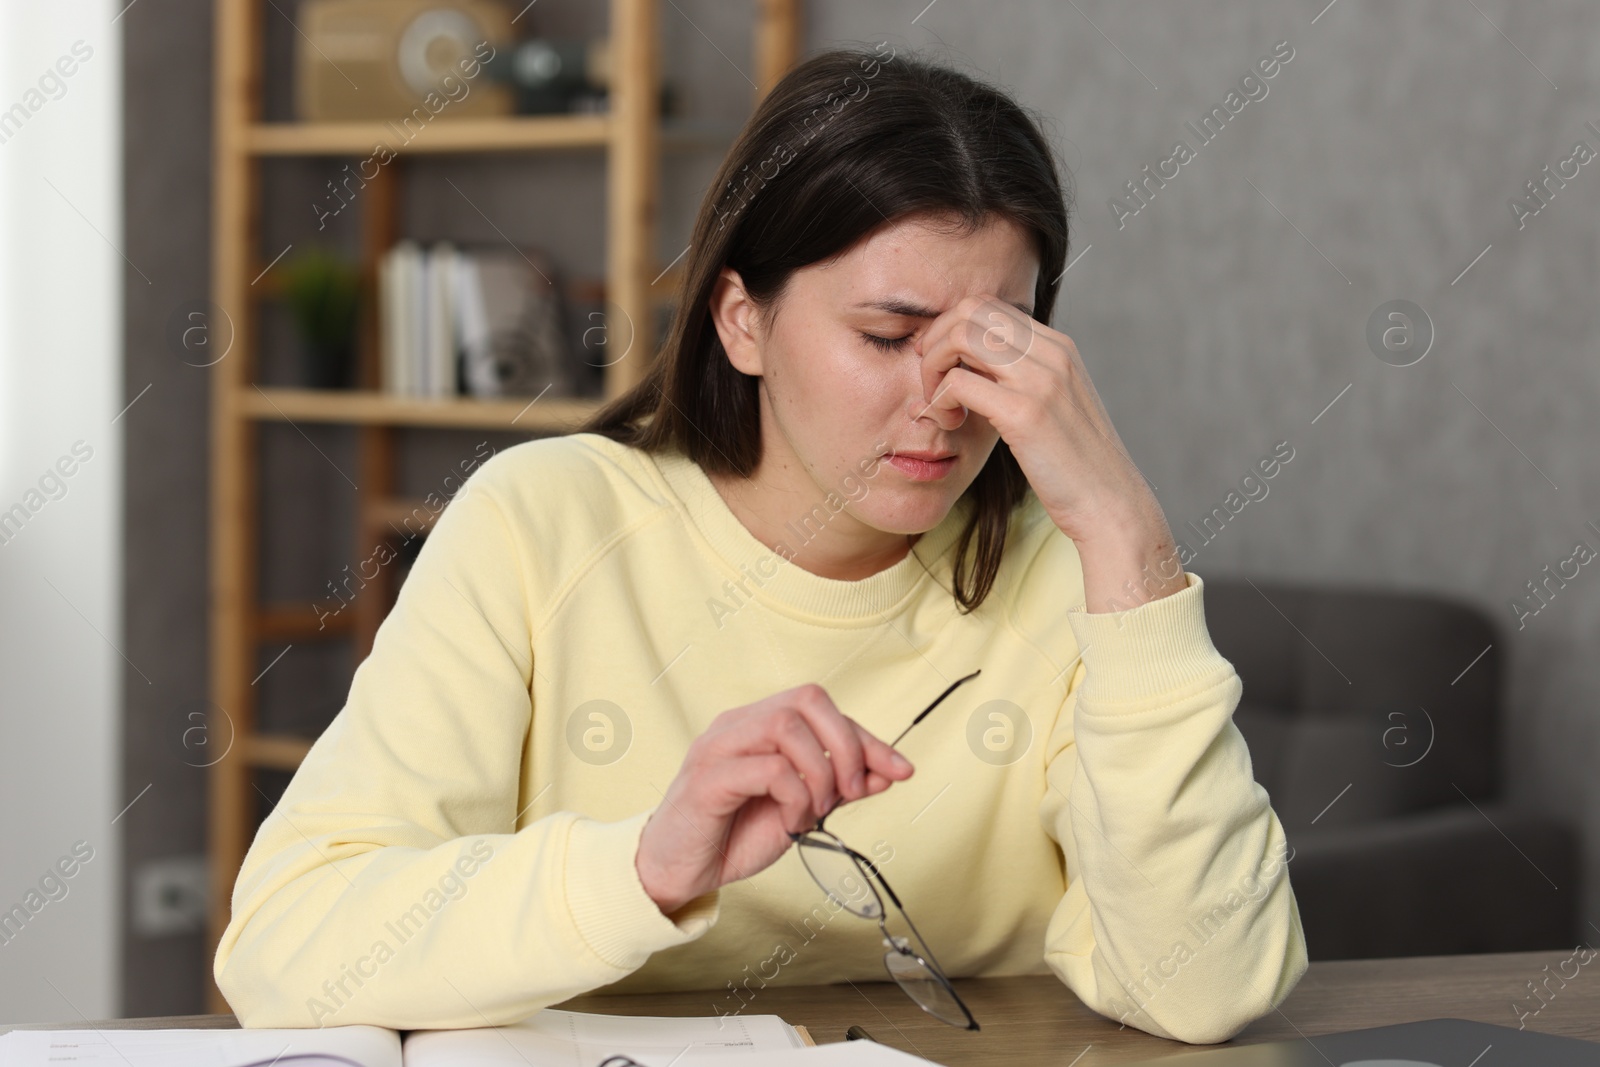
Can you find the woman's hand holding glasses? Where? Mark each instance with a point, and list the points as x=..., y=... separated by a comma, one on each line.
x=757, y=775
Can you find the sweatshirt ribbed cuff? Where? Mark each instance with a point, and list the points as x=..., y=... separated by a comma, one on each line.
x=1157, y=647
x=613, y=913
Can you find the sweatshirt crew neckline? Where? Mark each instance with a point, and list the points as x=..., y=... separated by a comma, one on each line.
x=762, y=573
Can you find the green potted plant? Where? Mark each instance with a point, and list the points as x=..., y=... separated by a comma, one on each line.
x=323, y=292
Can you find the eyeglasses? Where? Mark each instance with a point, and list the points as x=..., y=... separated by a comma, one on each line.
x=848, y=878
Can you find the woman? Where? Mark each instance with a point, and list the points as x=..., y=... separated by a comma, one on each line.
x=632, y=665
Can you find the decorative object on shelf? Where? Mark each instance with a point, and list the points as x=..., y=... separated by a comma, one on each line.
x=395, y=59
x=484, y=323
x=323, y=291
x=512, y=317
x=552, y=76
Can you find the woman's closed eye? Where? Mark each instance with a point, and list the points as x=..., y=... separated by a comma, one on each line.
x=887, y=344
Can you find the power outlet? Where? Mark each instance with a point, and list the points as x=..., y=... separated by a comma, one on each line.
x=169, y=896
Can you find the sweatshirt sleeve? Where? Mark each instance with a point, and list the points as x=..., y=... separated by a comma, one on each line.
x=1178, y=917
x=387, y=886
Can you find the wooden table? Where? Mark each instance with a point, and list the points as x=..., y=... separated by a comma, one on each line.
x=1035, y=1020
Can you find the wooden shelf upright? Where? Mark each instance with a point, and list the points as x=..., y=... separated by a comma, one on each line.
x=630, y=134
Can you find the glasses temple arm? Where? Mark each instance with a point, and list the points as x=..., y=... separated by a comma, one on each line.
x=924, y=713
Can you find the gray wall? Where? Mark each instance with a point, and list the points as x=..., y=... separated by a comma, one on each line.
x=167, y=167
x=1225, y=316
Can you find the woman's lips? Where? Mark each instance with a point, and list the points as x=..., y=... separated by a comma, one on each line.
x=922, y=470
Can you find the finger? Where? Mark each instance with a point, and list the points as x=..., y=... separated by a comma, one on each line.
x=840, y=734
x=882, y=759
x=777, y=725
x=962, y=388
x=995, y=340
x=937, y=355
x=986, y=333
x=735, y=782
x=783, y=784
x=796, y=737
x=1000, y=334
x=877, y=783
x=937, y=364
x=952, y=317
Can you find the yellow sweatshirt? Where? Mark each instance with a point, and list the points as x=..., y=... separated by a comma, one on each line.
x=457, y=848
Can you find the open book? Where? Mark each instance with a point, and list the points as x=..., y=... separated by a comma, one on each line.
x=549, y=1038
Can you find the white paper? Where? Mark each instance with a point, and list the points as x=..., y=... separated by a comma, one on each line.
x=555, y=1038
x=330, y=1046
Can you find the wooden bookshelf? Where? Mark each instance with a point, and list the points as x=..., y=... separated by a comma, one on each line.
x=632, y=137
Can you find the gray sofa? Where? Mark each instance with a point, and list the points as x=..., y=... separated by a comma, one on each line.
x=1381, y=750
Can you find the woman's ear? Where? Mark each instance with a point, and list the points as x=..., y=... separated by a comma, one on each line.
x=734, y=316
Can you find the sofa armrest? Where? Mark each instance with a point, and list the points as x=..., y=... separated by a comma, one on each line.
x=1438, y=882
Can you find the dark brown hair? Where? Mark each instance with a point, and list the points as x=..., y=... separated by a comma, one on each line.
x=847, y=142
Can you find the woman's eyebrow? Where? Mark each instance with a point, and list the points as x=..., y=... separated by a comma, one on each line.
x=917, y=311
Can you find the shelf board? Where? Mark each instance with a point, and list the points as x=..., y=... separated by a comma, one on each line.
x=278, y=752
x=509, y=134
x=581, y=290
x=382, y=409
x=286, y=622
x=387, y=515
x=449, y=135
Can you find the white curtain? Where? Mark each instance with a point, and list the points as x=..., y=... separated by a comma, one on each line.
x=61, y=277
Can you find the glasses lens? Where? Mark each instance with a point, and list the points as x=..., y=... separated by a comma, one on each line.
x=840, y=875
x=924, y=987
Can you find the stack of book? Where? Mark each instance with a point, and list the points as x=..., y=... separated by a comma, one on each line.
x=484, y=323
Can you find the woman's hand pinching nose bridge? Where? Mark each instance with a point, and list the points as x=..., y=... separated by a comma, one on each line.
x=1030, y=383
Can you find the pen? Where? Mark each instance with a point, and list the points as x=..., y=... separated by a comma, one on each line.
x=855, y=1033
